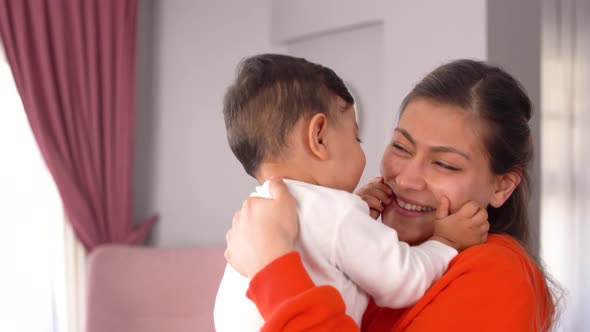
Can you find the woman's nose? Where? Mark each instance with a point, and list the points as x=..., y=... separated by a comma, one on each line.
x=411, y=177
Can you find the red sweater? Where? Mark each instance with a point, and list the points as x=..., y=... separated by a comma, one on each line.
x=491, y=287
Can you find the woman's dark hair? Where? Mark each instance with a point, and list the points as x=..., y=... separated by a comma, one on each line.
x=505, y=109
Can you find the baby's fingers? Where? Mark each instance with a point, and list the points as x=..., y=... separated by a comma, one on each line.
x=484, y=235
x=378, y=193
x=482, y=224
x=469, y=210
x=373, y=202
x=376, y=187
x=374, y=213
x=481, y=217
x=443, y=208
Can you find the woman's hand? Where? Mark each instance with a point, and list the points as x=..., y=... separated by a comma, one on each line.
x=377, y=194
x=262, y=230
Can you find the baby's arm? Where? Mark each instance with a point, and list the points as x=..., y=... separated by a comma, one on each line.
x=391, y=271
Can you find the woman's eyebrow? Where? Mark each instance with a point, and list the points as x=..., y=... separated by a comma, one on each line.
x=406, y=135
x=448, y=149
x=438, y=149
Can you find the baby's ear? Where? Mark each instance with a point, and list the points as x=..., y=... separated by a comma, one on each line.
x=316, y=135
x=504, y=186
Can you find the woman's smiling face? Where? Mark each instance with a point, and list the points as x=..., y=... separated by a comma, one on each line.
x=436, y=150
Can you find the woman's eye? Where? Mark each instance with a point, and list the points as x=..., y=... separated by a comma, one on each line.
x=400, y=147
x=359, y=140
x=446, y=166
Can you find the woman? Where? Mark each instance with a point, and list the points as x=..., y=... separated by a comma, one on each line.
x=463, y=133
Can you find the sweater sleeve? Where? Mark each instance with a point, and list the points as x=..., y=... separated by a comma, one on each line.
x=288, y=300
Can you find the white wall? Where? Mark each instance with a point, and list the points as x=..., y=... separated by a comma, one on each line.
x=422, y=34
x=185, y=170
x=295, y=20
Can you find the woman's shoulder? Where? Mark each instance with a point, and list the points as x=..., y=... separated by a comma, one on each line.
x=501, y=256
x=498, y=276
x=497, y=246
x=495, y=271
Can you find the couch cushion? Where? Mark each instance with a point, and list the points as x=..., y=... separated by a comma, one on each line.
x=149, y=289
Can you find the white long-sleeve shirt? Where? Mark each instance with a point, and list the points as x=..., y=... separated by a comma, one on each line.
x=342, y=246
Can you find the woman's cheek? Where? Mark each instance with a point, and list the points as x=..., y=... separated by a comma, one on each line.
x=390, y=165
x=449, y=189
x=459, y=191
x=385, y=167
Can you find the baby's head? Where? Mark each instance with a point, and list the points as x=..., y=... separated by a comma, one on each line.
x=294, y=118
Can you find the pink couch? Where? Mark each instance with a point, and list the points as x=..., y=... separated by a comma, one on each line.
x=133, y=289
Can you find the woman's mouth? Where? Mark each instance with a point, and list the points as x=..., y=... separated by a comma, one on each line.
x=410, y=208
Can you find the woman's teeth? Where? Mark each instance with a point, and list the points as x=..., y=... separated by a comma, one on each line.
x=412, y=207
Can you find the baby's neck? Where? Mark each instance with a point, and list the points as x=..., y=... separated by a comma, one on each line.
x=284, y=171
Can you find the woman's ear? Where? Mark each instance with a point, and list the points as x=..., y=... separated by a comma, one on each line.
x=504, y=186
x=316, y=136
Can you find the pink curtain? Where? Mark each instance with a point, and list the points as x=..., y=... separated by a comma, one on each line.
x=74, y=65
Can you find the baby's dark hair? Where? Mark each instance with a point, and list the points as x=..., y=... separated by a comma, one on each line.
x=270, y=94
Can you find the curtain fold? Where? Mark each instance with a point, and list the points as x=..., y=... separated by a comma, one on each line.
x=74, y=64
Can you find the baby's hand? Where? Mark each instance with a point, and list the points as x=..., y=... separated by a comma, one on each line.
x=377, y=194
x=466, y=228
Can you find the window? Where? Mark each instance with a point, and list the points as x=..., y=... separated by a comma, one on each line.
x=565, y=153
x=31, y=245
